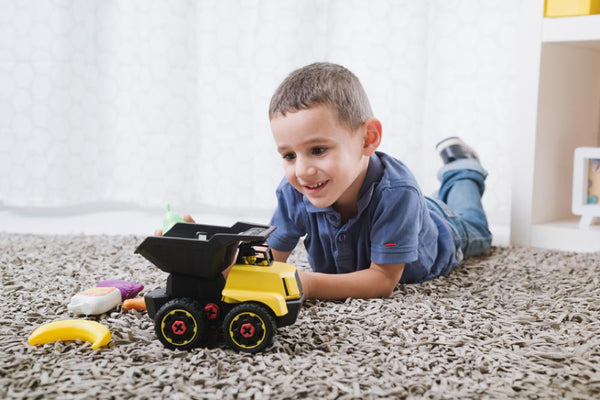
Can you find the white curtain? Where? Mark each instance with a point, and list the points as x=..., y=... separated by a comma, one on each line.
x=151, y=101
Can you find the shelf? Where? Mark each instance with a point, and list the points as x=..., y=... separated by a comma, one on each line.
x=568, y=116
x=565, y=235
x=559, y=111
x=584, y=30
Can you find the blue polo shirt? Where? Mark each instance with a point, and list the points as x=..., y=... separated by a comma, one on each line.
x=393, y=226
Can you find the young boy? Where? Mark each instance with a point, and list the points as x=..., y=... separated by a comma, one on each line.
x=366, y=222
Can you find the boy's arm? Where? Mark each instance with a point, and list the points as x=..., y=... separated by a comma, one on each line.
x=379, y=280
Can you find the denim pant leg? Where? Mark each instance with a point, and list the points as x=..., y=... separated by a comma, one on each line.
x=459, y=202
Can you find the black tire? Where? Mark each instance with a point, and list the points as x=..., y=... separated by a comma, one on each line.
x=249, y=327
x=180, y=324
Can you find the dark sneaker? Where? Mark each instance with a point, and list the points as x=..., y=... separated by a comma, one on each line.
x=453, y=148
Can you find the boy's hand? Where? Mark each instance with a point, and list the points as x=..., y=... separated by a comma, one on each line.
x=280, y=255
x=186, y=218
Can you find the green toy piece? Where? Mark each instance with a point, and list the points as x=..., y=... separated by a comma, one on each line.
x=170, y=219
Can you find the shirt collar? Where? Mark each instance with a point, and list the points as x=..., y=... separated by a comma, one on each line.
x=373, y=176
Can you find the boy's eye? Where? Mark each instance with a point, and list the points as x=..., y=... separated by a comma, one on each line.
x=289, y=156
x=318, y=150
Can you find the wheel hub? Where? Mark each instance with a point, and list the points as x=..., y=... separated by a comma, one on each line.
x=179, y=327
x=247, y=330
x=211, y=311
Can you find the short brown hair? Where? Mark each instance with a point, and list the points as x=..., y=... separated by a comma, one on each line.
x=323, y=84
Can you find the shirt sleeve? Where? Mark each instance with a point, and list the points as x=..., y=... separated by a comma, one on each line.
x=287, y=219
x=396, y=226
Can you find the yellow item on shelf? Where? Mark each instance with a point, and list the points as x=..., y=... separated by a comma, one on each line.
x=71, y=329
x=571, y=8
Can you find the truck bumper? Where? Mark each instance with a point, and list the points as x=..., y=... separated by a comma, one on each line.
x=293, y=307
x=155, y=300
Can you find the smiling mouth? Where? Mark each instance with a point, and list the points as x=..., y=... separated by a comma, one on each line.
x=316, y=186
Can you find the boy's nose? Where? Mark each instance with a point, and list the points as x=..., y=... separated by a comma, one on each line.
x=304, y=168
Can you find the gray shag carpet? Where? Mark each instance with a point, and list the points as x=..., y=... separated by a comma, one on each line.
x=516, y=323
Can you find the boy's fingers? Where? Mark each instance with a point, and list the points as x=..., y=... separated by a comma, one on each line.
x=188, y=218
x=158, y=232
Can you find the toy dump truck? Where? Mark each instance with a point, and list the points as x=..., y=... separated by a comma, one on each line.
x=258, y=296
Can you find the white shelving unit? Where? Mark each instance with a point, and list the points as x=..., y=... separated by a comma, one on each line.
x=559, y=111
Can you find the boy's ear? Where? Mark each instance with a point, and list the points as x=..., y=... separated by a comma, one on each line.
x=372, y=136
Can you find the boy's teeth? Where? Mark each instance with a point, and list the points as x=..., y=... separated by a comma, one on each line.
x=316, y=186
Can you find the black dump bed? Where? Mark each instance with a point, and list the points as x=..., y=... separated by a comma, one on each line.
x=201, y=251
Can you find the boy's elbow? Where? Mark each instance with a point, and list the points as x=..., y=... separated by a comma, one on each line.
x=387, y=291
x=389, y=277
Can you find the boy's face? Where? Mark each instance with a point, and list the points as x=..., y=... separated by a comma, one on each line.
x=323, y=159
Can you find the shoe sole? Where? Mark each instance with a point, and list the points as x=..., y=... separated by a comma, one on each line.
x=455, y=141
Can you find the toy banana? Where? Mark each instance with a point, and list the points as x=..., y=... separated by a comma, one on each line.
x=71, y=329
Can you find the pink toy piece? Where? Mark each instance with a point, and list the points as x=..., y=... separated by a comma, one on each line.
x=128, y=289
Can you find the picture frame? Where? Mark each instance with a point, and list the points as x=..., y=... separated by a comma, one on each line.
x=586, y=185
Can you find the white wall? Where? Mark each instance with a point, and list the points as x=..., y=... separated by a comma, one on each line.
x=147, y=102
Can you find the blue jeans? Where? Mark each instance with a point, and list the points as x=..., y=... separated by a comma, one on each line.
x=458, y=201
